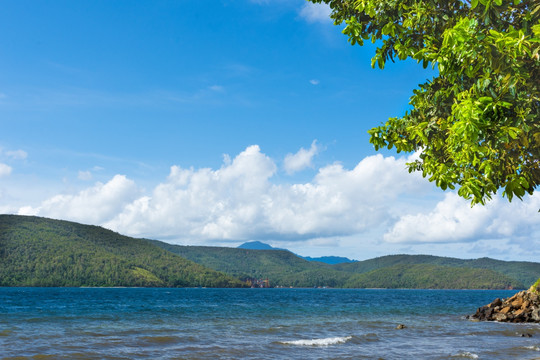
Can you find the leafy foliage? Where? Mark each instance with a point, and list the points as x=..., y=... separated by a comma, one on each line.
x=535, y=288
x=42, y=252
x=477, y=124
x=428, y=276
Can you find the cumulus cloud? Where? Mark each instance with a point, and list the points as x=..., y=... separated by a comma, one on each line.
x=204, y=203
x=9, y=156
x=94, y=205
x=315, y=12
x=242, y=201
x=5, y=170
x=453, y=220
x=239, y=201
x=340, y=201
x=301, y=160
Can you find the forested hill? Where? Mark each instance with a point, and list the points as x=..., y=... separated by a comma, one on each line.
x=43, y=252
x=283, y=268
x=524, y=272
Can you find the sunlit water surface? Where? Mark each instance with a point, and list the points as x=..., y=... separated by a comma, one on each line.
x=73, y=323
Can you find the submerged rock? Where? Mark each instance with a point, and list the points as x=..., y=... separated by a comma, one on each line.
x=522, y=307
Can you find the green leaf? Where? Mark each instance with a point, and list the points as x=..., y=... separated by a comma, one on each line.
x=478, y=116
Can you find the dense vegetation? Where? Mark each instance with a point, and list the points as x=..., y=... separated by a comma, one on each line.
x=281, y=267
x=476, y=123
x=43, y=252
x=432, y=277
x=524, y=272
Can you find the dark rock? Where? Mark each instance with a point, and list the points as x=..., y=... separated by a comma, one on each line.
x=400, y=326
x=522, y=307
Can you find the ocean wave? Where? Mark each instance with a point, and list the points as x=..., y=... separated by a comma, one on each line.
x=318, y=342
x=532, y=347
x=466, y=355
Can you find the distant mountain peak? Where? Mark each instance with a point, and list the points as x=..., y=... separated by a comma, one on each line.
x=332, y=260
x=256, y=245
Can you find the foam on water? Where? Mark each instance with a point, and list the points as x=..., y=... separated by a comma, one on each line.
x=466, y=355
x=296, y=324
x=319, y=342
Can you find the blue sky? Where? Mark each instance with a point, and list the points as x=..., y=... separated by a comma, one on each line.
x=217, y=122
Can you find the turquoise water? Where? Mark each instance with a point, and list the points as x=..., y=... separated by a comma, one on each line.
x=72, y=323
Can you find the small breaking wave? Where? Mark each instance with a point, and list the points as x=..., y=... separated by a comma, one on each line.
x=532, y=347
x=318, y=342
x=466, y=355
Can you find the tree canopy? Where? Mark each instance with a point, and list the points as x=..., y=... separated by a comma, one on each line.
x=45, y=252
x=476, y=125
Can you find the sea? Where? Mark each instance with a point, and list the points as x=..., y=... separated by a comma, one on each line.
x=199, y=323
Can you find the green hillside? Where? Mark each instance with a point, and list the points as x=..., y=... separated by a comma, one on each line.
x=524, y=272
x=43, y=252
x=428, y=276
x=283, y=268
x=280, y=267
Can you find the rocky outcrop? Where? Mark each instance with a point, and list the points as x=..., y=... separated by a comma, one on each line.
x=522, y=307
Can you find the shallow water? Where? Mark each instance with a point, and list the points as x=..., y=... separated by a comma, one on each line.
x=72, y=323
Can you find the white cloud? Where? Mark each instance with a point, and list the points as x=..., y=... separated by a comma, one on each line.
x=203, y=203
x=239, y=201
x=94, y=205
x=17, y=154
x=217, y=88
x=301, y=160
x=5, y=170
x=84, y=175
x=314, y=82
x=316, y=12
x=28, y=210
x=453, y=220
x=242, y=201
x=340, y=201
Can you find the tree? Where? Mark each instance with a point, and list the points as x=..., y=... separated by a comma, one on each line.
x=476, y=125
